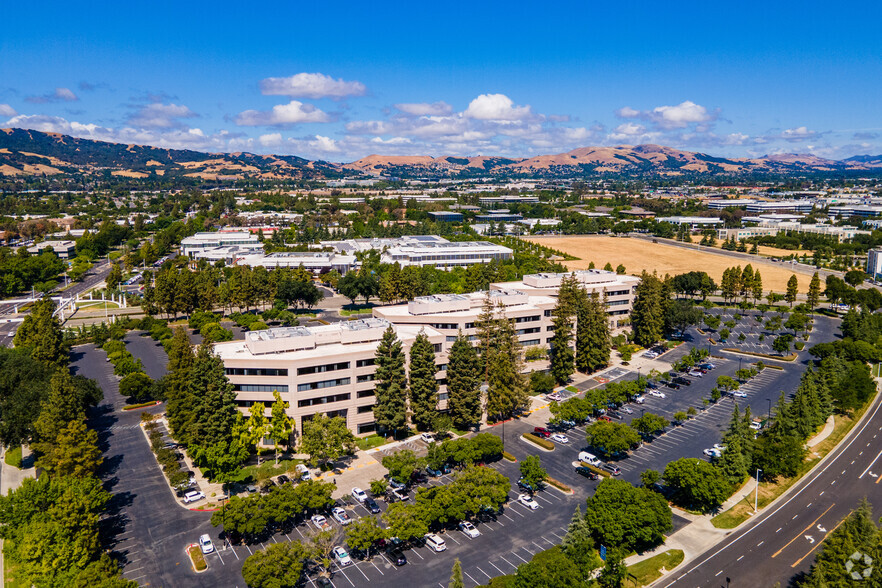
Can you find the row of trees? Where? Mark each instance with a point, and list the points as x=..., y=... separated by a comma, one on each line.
x=20, y=271
x=592, y=332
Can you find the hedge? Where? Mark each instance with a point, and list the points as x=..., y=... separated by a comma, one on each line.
x=508, y=456
x=558, y=484
x=543, y=443
x=597, y=471
x=142, y=405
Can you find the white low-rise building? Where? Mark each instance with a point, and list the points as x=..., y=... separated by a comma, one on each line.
x=202, y=241
x=64, y=249
x=693, y=222
x=315, y=261
x=425, y=250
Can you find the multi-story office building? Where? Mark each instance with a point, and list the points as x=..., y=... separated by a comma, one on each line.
x=425, y=250
x=451, y=314
x=693, y=222
x=874, y=263
x=618, y=290
x=318, y=370
x=203, y=241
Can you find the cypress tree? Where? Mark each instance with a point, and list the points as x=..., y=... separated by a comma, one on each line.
x=647, y=318
x=390, y=411
x=464, y=375
x=592, y=334
x=757, y=286
x=814, y=292
x=792, y=290
x=41, y=332
x=214, y=410
x=506, y=385
x=423, y=385
x=561, y=353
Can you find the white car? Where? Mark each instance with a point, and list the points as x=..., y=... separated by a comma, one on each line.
x=359, y=494
x=528, y=501
x=205, y=544
x=628, y=410
x=715, y=451
x=427, y=437
x=193, y=496
x=560, y=438
x=639, y=399
x=656, y=393
x=320, y=522
x=738, y=394
x=469, y=529
x=304, y=473
x=342, y=557
x=340, y=515
x=554, y=396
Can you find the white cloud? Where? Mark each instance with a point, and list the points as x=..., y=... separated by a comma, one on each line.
x=392, y=141
x=627, y=112
x=681, y=115
x=294, y=112
x=270, y=140
x=324, y=144
x=629, y=129
x=161, y=116
x=797, y=134
x=311, y=85
x=425, y=109
x=59, y=95
x=496, y=107
x=7, y=110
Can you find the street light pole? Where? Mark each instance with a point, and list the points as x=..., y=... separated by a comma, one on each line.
x=756, y=495
x=770, y=408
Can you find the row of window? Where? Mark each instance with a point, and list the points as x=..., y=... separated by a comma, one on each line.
x=323, y=384
x=317, y=369
x=444, y=326
x=323, y=400
x=259, y=388
x=528, y=319
x=528, y=331
x=255, y=372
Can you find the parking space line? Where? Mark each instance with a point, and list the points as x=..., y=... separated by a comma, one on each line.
x=495, y=566
x=519, y=557
x=483, y=572
x=362, y=572
x=219, y=557
x=417, y=553
x=470, y=578
x=454, y=540
x=502, y=557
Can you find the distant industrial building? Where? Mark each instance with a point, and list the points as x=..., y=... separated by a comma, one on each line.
x=766, y=229
x=693, y=222
x=496, y=200
x=722, y=204
x=865, y=210
x=202, y=241
x=317, y=262
x=425, y=250
x=498, y=217
x=63, y=249
x=802, y=206
x=445, y=216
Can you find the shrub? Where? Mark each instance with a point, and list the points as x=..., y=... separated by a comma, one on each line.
x=508, y=456
x=257, y=326
x=558, y=484
x=214, y=332
x=799, y=345
x=541, y=382
x=200, y=318
x=544, y=443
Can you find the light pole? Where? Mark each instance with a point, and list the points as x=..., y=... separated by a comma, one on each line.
x=756, y=495
x=770, y=408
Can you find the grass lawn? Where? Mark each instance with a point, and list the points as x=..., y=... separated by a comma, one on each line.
x=197, y=558
x=769, y=492
x=13, y=457
x=648, y=571
x=370, y=442
x=268, y=468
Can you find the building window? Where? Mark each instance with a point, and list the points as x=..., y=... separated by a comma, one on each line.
x=436, y=347
x=367, y=428
x=530, y=342
x=365, y=362
x=528, y=319
x=366, y=393
x=364, y=409
x=469, y=326
x=323, y=384
x=255, y=372
x=443, y=396
x=365, y=378
x=444, y=326
x=323, y=400
x=528, y=331
x=547, y=313
x=317, y=369
x=259, y=388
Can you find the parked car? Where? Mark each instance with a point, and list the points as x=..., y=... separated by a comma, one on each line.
x=342, y=557
x=359, y=494
x=193, y=496
x=303, y=471
x=554, y=396
x=396, y=483
x=528, y=501
x=435, y=542
x=400, y=494
x=612, y=469
x=651, y=384
x=627, y=410
x=205, y=544
x=587, y=472
x=604, y=417
x=427, y=437
x=469, y=529
x=341, y=515
x=615, y=414
x=320, y=522
x=682, y=381
x=396, y=556
x=433, y=472
x=671, y=385
x=283, y=479
x=715, y=451
x=695, y=373
x=523, y=485
x=739, y=394
x=541, y=432
x=639, y=399
x=372, y=505
x=656, y=393
x=567, y=424
x=560, y=438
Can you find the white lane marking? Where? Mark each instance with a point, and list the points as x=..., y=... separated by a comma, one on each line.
x=871, y=465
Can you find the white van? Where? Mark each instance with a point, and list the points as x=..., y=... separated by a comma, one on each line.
x=589, y=458
x=435, y=542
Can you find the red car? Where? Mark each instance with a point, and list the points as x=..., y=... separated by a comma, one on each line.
x=603, y=417
x=542, y=432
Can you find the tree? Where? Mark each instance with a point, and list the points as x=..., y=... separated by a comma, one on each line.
x=592, y=333
x=463, y=383
x=74, y=453
x=281, y=425
x=814, y=292
x=423, y=385
x=649, y=424
x=792, y=290
x=257, y=426
x=782, y=343
x=650, y=306
x=137, y=386
x=649, y=478
x=114, y=277
x=348, y=286
x=855, y=278
x=402, y=465
x=614, y=570
x=681, y=315
x=456, y=580
x=696, y=484
x=390, y=411
x=732, y=464
x=363, y=533
x=280, y=565
x=611, y=438
x=562, y=354
x=23, y=388
x=532, y=471
x=326, y=438
x=622, y=516
x=507, y=389
x=379, y=487
x=404, y=521
x=757, y=286
x=549, y=568
x=41, y=332
x=727, y=383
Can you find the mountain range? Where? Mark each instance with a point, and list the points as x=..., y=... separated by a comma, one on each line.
x=27, y=153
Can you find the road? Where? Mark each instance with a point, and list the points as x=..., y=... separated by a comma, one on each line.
x=783, y=541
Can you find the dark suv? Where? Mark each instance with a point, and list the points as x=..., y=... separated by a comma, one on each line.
x=587, y=472
x=682, y=381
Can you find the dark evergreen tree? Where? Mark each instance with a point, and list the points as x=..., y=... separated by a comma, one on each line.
x=592, y=334
x=390, y=411
x=464, y=375
x=214, y=409
x=423, y=389
x=650, y=305
x=41, y=333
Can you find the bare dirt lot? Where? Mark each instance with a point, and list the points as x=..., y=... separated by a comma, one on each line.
x=638, y=255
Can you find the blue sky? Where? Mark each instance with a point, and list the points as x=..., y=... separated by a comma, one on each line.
x=342, y=80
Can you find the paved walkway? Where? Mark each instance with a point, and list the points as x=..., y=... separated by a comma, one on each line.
x=825, y=432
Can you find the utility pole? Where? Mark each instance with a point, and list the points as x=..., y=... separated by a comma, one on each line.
x=756, y=495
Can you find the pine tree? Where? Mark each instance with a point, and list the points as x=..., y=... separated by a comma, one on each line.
x=390, y=411
x=506, y=386
x=41, y=332
x=757, y=286
x=732, y=463
x=423, y=389
x=257, y=426
x=592, y=334
x=746, y=287
x=281, y=424
x=464, y=376
x=456, y=580
x=792, y=289
x=814, y=292
x=214, y=402
x=647, y=318
x=561, y=353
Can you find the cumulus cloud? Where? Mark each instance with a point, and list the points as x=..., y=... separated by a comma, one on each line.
x=425, y=109
x=7, y=110
x=293, y=113
x=59, y=95
x=162, y=116
x=270, y=140
x=311, y=85
x=681, y=115
x=627, y=112
x=496, y=107
x=798, y=134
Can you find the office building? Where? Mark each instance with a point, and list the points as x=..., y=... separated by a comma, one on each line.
x=425, y=250
x=63, y=249
x=874, y=263
x=693, y=223
x=203, y=241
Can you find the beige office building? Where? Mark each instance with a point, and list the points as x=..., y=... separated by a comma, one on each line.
x=327, y=369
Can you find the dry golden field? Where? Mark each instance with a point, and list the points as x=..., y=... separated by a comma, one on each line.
x=639, y=254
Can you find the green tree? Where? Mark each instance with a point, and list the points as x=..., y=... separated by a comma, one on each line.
x=611, y=438
x=281, y=425
x=592, y=333
x=532, y=471
x=649, y=478
x=562, y=355
x=456, y=580
x=279, y=565
x=363, y=533
x=507, y=388
x=404, y=521
x=402, y=464
x=649, y=424
x=650, y=305
x=549, y=568
x=792, y=290
x=423, y=385
x=814, y=292
x=390, y=411
x=614, y=570
x=137, y=386
x=257, y=426
x=696, y=484
x=464, y=383
x=74, y=453
x=114, y=277
x=731, y=463
x=213, y=411
x=622, y=516
x=326, y=438
x=41, y=332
